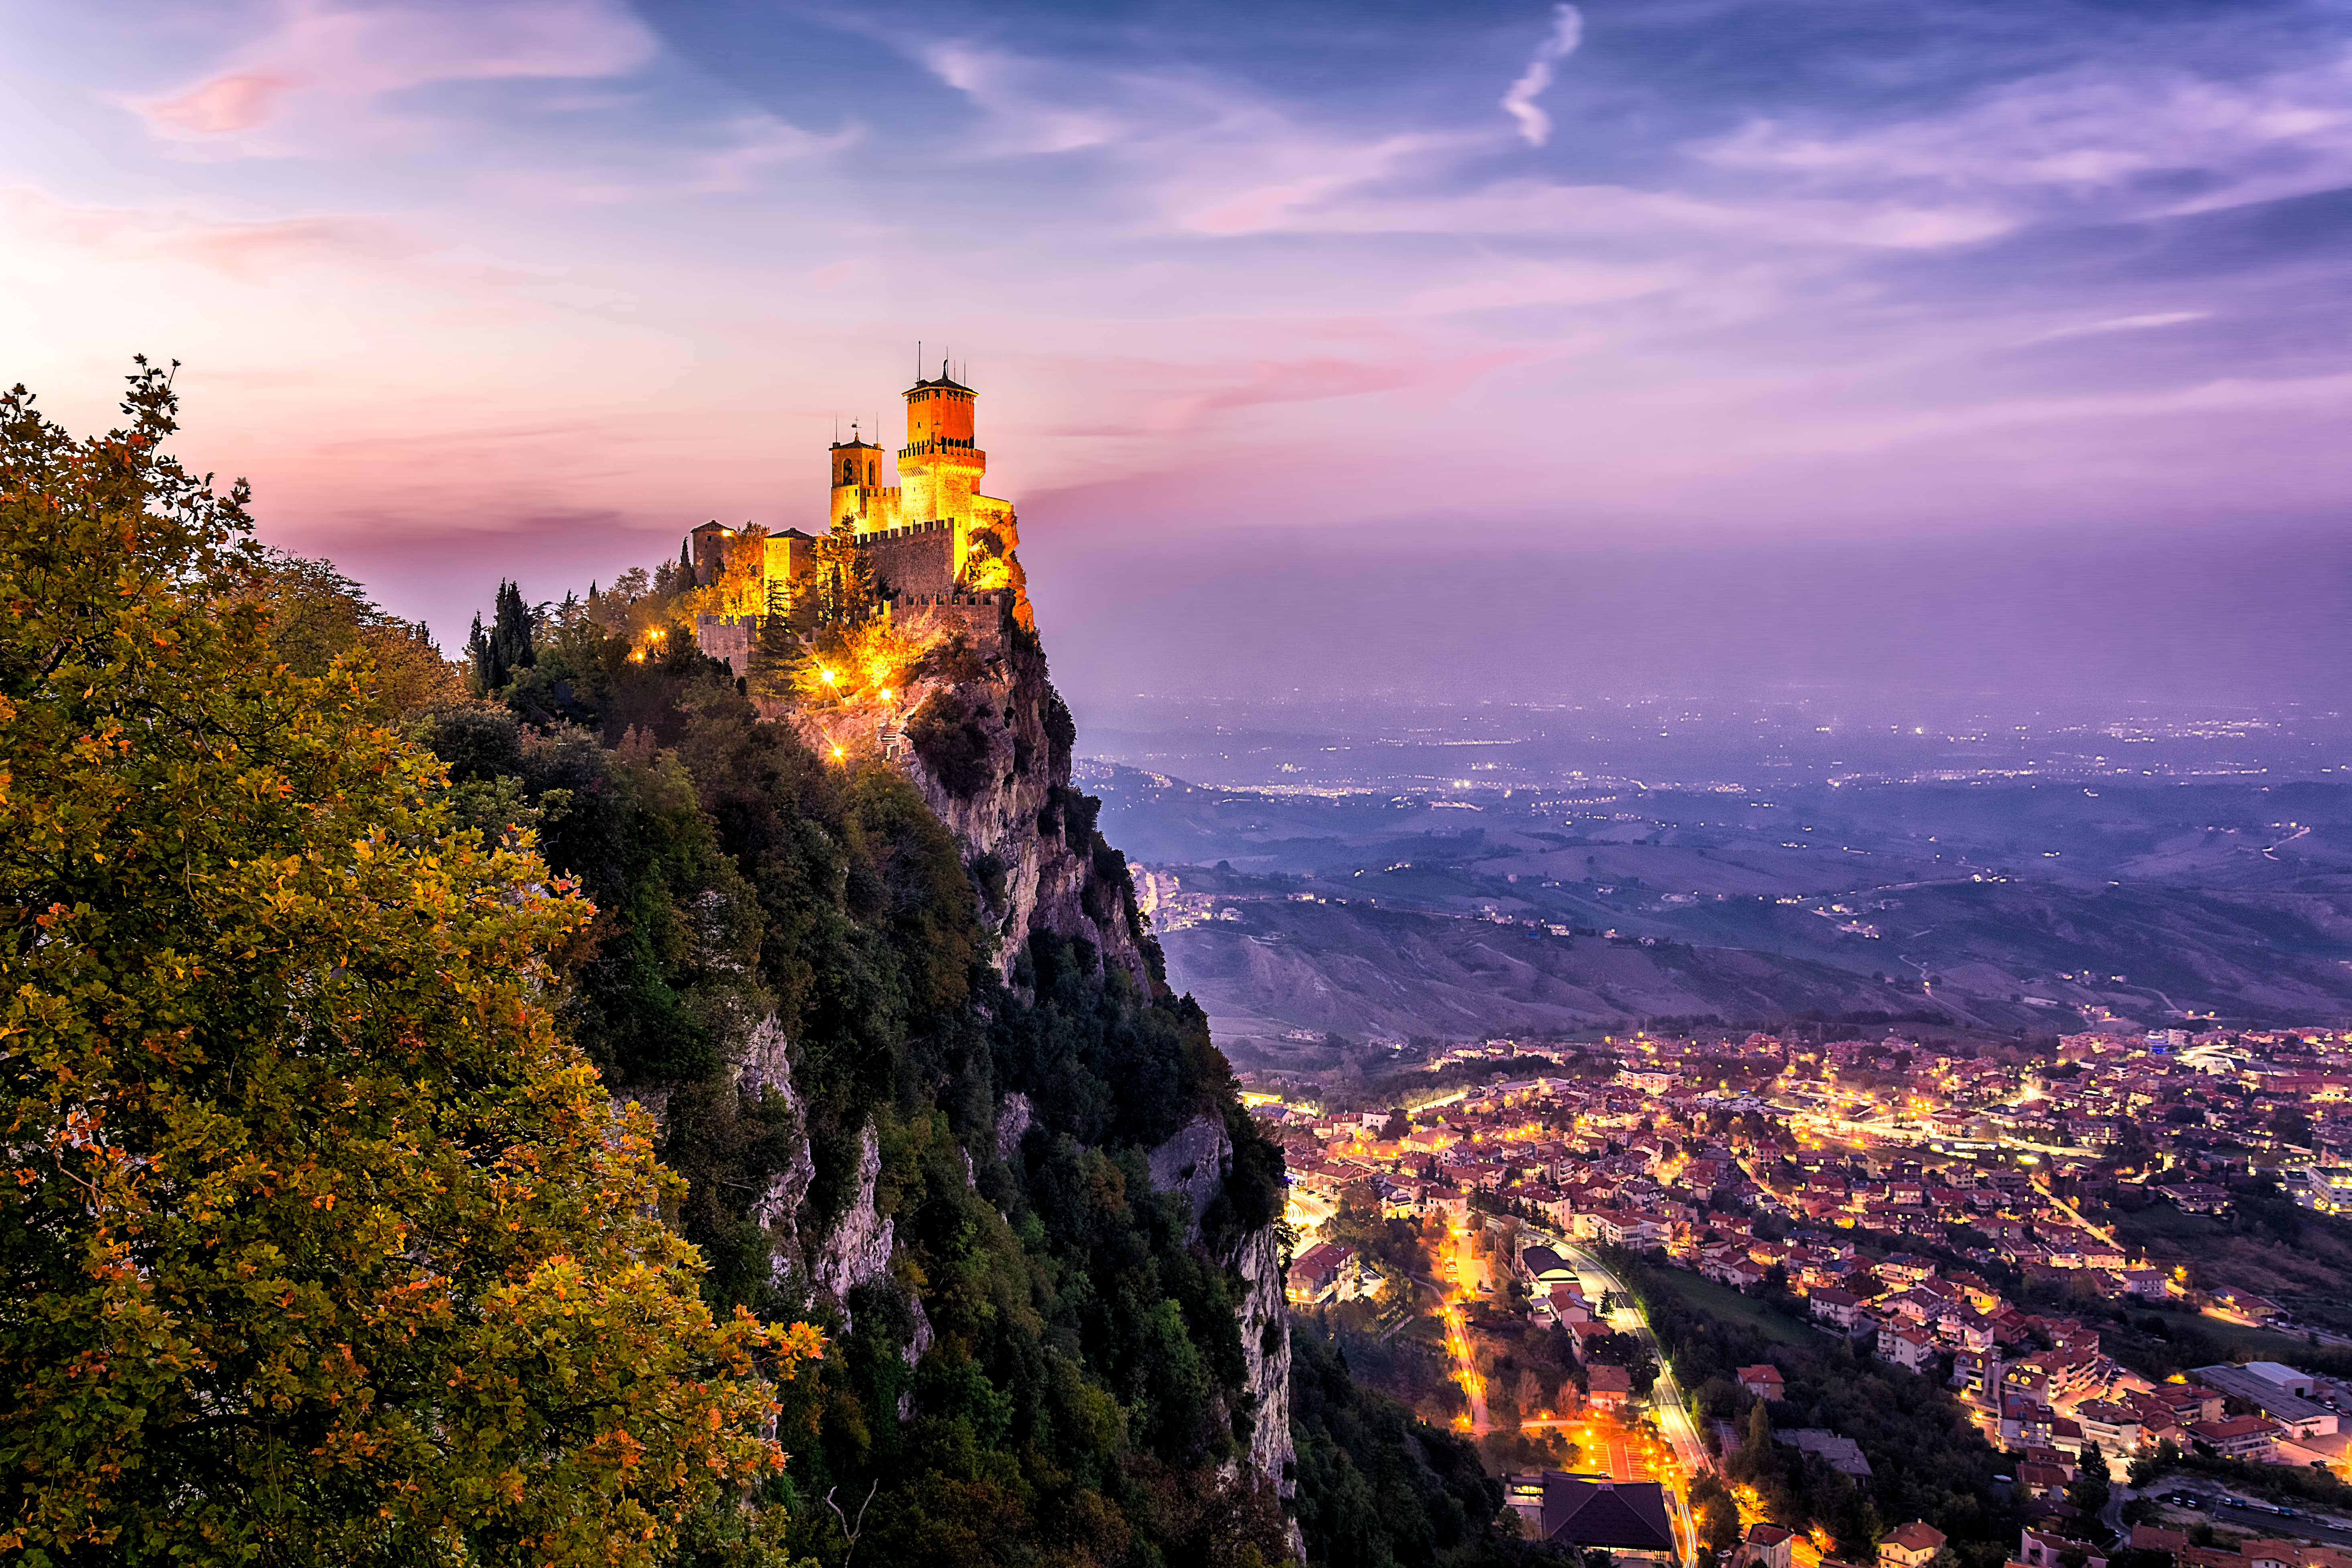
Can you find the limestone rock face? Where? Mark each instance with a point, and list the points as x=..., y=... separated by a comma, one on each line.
x=858, y=1248
x=1013, y=1117
x=766, y=1066
x=1266, y=1351
x=1195, y=1163
x=1036, y=865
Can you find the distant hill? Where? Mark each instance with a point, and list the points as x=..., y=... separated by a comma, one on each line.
x=2032, y=905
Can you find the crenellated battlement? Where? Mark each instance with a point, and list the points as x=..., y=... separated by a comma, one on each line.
x=907, y=531
x=1002, y=597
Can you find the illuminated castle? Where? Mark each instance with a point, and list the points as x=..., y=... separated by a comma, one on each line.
x=931, y=538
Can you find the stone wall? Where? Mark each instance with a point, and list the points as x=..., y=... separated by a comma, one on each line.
x=729, y=637
x=983, y=618
x=917, y=559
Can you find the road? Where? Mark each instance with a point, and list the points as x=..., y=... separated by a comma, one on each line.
x=2104, y=1233
x=1465, y=1269
x=2229, y=1510
x=1675, y=1423
x=2274, y=849
x=1625, y=1463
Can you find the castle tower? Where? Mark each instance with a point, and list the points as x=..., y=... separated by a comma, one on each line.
x=940, y=465
x=860, y=504
x=710, y=545
x=932, y=534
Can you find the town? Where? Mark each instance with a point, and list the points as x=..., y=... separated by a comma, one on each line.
x=2106, y=1263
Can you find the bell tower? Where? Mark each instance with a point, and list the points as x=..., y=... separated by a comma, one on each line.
x=940, y=466
x=859, y=503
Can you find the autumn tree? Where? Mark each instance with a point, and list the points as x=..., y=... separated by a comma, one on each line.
x=740, y=586
x=840, y=582
x=317, y=614
x=1715, y=1511
x=321, y=1245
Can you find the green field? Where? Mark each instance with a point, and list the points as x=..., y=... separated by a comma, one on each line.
x=2309, y=1268
x=1723, y=1301
x=2255, y=1345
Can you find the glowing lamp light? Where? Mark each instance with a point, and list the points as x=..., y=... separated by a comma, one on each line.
x=886, y=694
x=837, y=754
x=826, y=676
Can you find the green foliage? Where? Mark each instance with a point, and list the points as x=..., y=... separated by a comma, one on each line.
x=841, y=583
x=946, y=733
x=1097, y=1058
x=498, y=654
x=1378, y=1488
x=321, y=1244
x=2091, y=1488
x=1083, y=1386
x=1715, y=1511
x=316, y=616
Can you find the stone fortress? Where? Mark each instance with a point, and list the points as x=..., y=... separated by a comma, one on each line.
x=933, y=539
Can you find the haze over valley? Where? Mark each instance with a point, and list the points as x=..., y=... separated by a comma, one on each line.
x=1518, y=868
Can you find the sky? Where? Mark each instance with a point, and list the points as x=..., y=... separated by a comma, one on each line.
x=1998, y=345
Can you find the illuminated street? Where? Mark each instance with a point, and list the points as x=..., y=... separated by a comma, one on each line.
x=1667, y=1449
x=1467, y=1272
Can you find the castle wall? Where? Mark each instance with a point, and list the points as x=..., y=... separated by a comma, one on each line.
x=917, y=559
x=938, y=481
x=729, y=637
x=981, y=618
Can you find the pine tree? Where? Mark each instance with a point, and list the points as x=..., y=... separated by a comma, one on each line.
x=780, y=648
x=841, y=582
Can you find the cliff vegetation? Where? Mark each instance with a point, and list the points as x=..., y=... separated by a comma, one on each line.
x=580, y=1105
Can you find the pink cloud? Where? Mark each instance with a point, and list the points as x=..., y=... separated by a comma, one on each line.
x=238, y=100
x=237, y=249
x=1320, y=378
x=338, y=56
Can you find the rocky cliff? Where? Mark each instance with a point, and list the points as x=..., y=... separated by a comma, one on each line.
x=1197, y=1162
x=988, y=745
x=991, y=753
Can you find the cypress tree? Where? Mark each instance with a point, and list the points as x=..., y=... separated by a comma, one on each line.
x=506, y=646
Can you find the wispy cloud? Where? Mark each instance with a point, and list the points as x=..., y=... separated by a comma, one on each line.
x=339, y=56
x=2153, y=138
x=236, y=249
x=1033, y=108
x=1765, y=284
x=2118, y=325
x=1519, y=98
